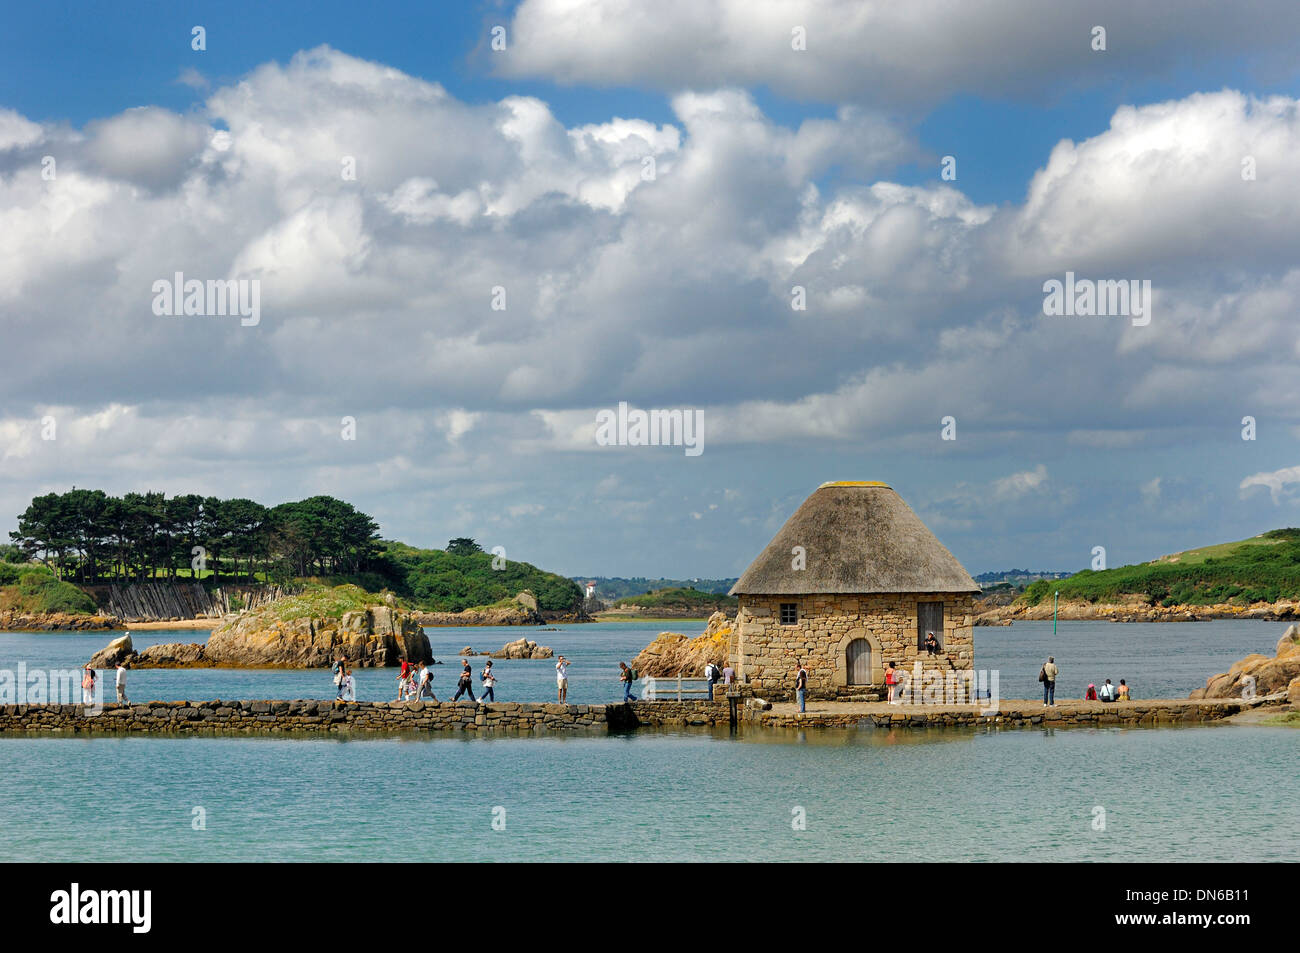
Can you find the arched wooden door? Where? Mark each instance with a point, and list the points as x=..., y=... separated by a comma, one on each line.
x=859, y=662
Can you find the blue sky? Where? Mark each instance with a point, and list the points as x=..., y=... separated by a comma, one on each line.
x=74, y=62
x=817, y=168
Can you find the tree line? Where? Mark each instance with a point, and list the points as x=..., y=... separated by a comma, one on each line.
x=89, y=537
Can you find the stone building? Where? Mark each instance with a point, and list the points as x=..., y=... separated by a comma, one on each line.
x=853, y=580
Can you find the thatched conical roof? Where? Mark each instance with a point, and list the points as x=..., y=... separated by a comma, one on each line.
x=859, y=537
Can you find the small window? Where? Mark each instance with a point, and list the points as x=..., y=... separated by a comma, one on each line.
x=929, y=618
x=789, y=613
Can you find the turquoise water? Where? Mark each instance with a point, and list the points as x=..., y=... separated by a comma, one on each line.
x=1209, y=793
x=1203, y=793
x=1157, y=659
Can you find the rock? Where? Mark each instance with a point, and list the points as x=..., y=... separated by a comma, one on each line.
x=466, y=651
x=172, y=655
x=376, y=636
x=1263, y=675
x=18, y=621
x=118, y=650
x=1290, y=641
x=523, y=649
x=674, y=654
x=1293, y=692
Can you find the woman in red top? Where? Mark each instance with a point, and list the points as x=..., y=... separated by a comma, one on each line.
x=891, y=680
x=1091, y=694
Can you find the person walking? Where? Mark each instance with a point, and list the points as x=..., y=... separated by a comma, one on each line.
x=489, y=682
x=337, y=670
x=348, y=687
x=627, y=676
x=711, y=675
x=465, y=684
x=424, y=678
x=403, y=680
x=121, y=682
x=728, y=673
x=801, y=687
x=88, y=686
x=1047, y=675
x=562, y=679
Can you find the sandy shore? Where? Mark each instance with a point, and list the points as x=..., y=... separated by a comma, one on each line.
x=206, y=624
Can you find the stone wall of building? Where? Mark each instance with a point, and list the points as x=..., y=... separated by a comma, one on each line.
x=767, y=653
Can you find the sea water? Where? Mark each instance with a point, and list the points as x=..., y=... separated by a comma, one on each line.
x=1115, y=794
x=1158, y=659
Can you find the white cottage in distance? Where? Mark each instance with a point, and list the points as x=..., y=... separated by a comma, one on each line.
x=852, y=581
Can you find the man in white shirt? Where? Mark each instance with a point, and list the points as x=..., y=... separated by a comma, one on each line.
x=121, y=682
x=425, y=678
x=562, y=678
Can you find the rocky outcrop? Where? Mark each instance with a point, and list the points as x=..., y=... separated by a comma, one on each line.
x=1257, y=675
x=167, y=655
x=1138, y=610
x=376, y=636
x=11, y=621
x=173, y=655
x=523, y=648
x=672, y=653
x=521, y=610
x=119, y=650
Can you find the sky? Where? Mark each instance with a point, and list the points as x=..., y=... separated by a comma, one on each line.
x=825, y=229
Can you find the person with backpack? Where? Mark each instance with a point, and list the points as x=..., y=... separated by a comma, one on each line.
x=1107, y=692
x=465, y=684
x=489, y=682
x=425, y=684
x=627, y=676
x=712, y=675
x=1047, y=675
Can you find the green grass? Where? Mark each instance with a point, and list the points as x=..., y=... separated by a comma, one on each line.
x=1265, y=568
x=319, y=602
x=679, y=598
x=34, y=589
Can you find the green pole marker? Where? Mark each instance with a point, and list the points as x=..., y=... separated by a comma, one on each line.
x=1056, y=601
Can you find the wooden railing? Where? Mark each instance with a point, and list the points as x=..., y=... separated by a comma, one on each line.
x=676, y=688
